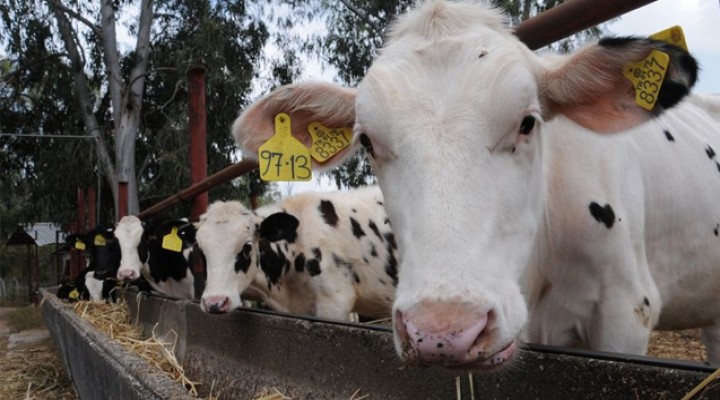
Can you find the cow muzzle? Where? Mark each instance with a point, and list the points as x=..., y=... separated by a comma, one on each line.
x=127, y=274
x=450, y=334
x=218, y=304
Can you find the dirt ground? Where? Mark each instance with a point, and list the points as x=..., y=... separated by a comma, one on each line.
x=31, y=369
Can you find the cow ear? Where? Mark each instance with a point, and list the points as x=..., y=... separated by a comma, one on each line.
x=331, y=105
x=279, y=226
x=590, y=88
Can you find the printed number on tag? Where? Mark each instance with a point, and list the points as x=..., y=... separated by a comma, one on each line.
x=282, y=157
x=327, y=142
x=647, y=76
x=172, y=241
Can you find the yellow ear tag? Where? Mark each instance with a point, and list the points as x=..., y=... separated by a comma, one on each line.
x=99, y=240
x=80, y=245
x=647, y=76
x=327, y=142
x=172, y=241
x=673, y=35
x=74, y=294
x=284, y=158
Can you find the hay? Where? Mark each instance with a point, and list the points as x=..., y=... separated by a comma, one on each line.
x=114, y=320
x=34, y=373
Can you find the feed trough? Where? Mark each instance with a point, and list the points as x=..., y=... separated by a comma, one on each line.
x=245, y=351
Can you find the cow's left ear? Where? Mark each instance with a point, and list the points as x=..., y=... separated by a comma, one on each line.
x=279, y=226
x=590, y=88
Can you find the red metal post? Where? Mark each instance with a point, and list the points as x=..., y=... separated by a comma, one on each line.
x=81, y=221
x=571, y=17
x=198, y=143
x=91, y=197
x=122, y=199
x=76, y=261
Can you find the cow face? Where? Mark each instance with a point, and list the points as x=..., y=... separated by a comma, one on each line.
x=103, y=251
x=235, y=242
x=452, y=114
x=129, y=232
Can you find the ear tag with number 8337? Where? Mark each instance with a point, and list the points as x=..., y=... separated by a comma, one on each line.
x=172, y=241
x=647, y=76
x=327, y=142
x=284, y=158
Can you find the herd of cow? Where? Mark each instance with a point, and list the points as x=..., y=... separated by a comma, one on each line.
x=531, y=199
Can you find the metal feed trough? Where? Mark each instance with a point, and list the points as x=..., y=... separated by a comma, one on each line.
x=308, y=358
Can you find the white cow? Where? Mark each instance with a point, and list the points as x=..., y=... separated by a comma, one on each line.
x=511, y=211
x=323, y=254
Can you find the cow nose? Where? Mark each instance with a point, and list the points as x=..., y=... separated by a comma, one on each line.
x=127, y=274
x=216, y=304
x=447, y=333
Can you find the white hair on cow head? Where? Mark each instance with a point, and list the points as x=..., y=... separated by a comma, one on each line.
x=223, y=211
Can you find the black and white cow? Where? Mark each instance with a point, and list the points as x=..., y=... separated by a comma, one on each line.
x=143, y=255
x=86, y=286
x=323, y=254
x=531, y=196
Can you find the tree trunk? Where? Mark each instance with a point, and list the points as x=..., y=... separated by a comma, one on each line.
x=92, y=128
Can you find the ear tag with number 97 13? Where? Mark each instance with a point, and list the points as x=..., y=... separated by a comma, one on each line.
x=327, y=142
x=284, y=158
x=647, y=77
x=172, y=241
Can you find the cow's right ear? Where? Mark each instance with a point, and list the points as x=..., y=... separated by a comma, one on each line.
x=331, y=105
x=279, y=226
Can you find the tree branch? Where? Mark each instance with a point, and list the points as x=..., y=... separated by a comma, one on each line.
x=57, y=4
x=151, y=72
x=112, y=59
x=362, y=16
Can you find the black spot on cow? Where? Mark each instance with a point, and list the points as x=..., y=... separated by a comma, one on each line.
x=646, y=301
x=353, y=210
x=717, y=164
x=243, y=258
x=272, y=262
x=327, y=210
x=279, y=226
x=373, y=227
x=379, y=202
x=387, y=221
x=604, y=214
x=300, y=262
x=391, y=267
x=357, y=230
x=373, y=250
x=668, y=135
x=365, y=260
x=716, y=231
x=382, y=282
x=313, y=267
x=356, y=277
x=710, y=152
x=317, y=253
x=390, y=238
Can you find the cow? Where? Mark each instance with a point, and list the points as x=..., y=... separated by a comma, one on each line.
x=322, y=254
x=532, y=197
x=86, y=286
x=143, y=255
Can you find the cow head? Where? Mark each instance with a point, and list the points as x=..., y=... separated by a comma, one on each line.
x=452, y=114
x=103, y=252
x=235, y=241
x=135, y=240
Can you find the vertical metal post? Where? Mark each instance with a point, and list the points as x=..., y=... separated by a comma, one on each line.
x=122, y=199
x=92, y=222
x=198, y=142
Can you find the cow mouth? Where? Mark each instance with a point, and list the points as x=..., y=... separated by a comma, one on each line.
x=495, y=360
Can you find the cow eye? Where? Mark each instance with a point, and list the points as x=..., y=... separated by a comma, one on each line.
x=247, y=249
x=366, y=143
x=527, y=125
